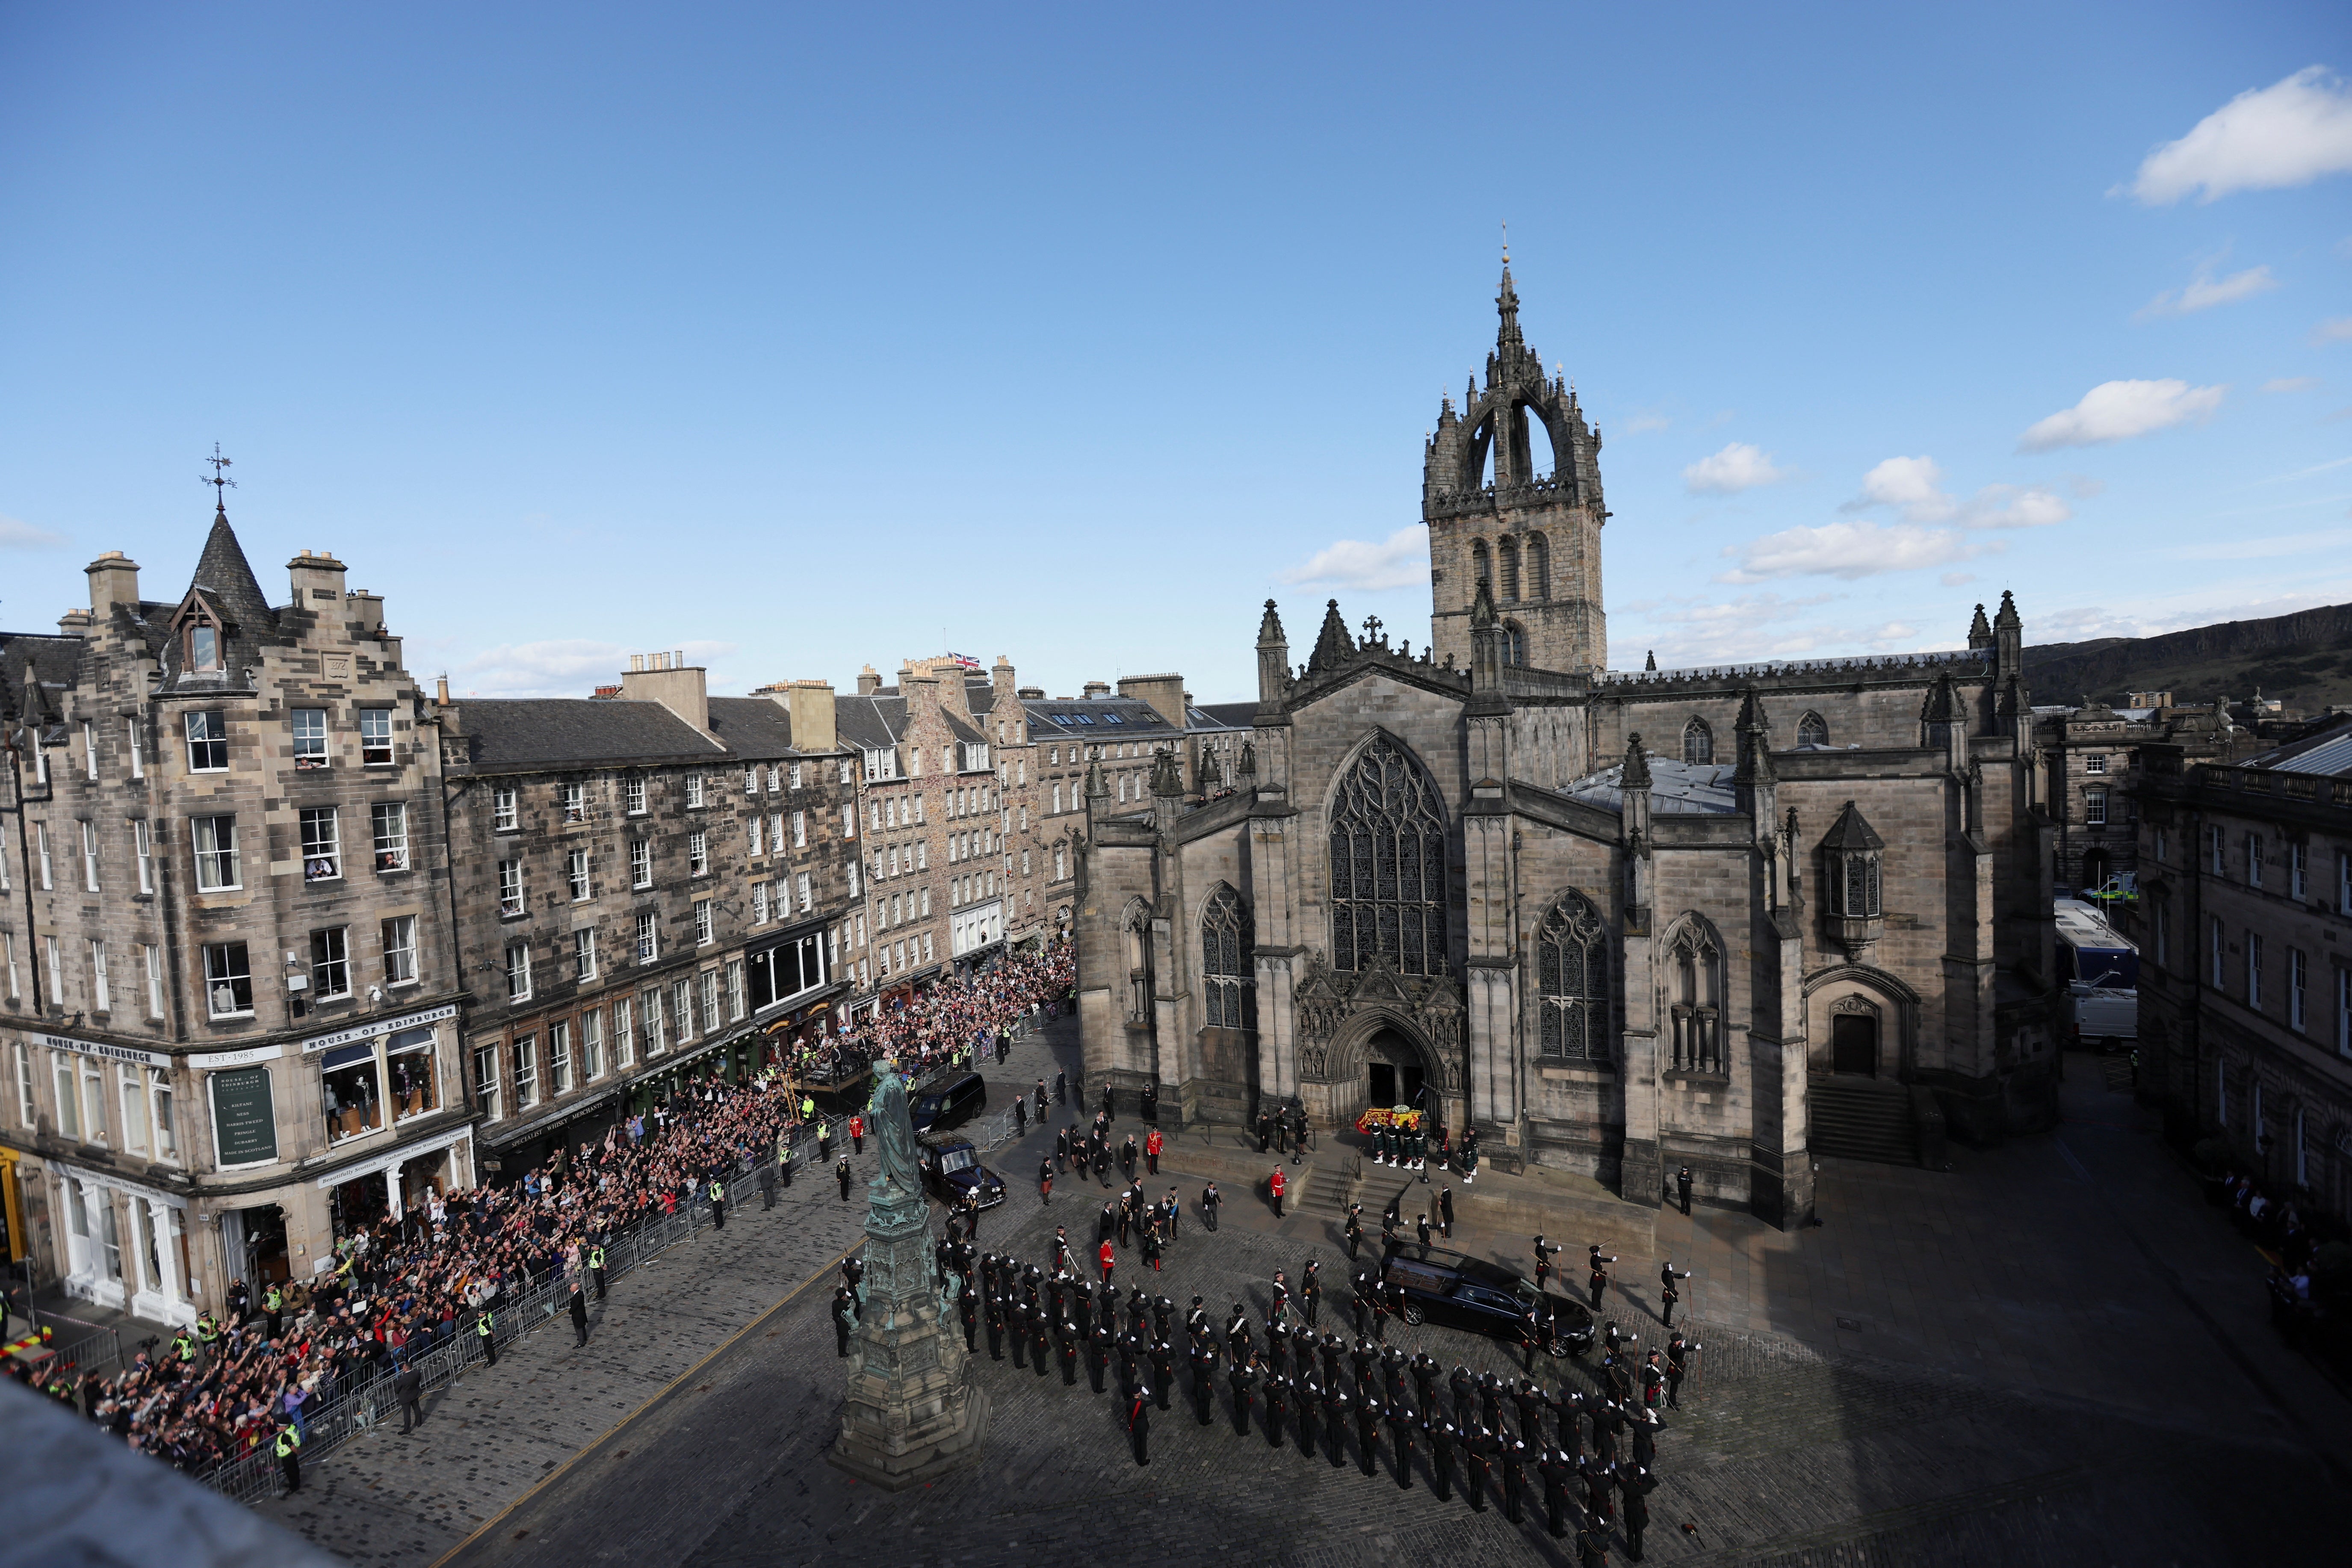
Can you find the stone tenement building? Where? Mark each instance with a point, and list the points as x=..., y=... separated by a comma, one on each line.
x=2244, y=923
x=657, y=884
x=1618, y=921
x=223, y=908
x=2090, y=760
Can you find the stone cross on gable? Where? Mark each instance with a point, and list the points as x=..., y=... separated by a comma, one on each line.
x=1371, y=628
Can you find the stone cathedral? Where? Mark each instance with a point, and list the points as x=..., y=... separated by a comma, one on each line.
x=1618, y=921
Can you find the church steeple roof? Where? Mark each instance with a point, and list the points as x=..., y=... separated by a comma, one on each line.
x=1506, y=305
x=225, y=579
x=1333, y=646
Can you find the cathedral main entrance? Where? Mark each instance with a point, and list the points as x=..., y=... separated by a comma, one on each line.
x=1392, y=1069
x=1853, y=1044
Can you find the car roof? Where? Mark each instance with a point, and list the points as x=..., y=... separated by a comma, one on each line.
x=1476, y=1269
x=943, y=1141
x=946, y=1078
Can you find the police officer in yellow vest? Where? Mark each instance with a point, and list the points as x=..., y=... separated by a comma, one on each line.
x=290, y=1438
x=717, y=1204
x=596, y=1268
x=273, y=1304
x=486, y=1330
x=184, y=1345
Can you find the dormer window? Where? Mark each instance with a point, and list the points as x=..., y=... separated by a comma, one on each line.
x=204, y=649
x=1852, y=875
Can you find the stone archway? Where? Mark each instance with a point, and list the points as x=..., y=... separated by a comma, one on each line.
x=1385, y=1051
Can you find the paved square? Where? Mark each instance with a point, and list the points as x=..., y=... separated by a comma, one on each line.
x=2061, y=1357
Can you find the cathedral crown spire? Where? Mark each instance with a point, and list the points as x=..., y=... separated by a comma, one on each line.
x=1507, y=305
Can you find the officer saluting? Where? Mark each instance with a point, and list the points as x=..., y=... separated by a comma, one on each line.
x=1401, y=1426
x=1204, y=1362
x=1239, y=1378
x=1667, y=1277
x=1441, y=1437
x=1138, y=1423
x=1599, y=1281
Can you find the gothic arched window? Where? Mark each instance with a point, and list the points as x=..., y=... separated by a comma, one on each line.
x=1572, y=981
x=1225, y=961
x=1387, y=865
x=1514, y=644
x=1482, y=565
x=1853, y=850
x=1539, y=578
x=1506, y=551
x=1698, y=744
x=1812, y=729
x=1138, y=934
x=1694, y=965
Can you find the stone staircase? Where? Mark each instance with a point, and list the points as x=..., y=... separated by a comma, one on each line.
x=1332, y=1187
x=1863, y=1118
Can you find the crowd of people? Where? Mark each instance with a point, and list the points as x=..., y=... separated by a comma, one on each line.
x=250, y=1376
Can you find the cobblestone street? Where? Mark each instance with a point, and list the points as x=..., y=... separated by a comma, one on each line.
x=2057, y=1354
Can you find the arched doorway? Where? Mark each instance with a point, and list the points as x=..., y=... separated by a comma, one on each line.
x=1854, y=1043
x=1392, y=1070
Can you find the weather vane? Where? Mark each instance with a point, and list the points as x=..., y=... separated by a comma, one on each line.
x=219, y=480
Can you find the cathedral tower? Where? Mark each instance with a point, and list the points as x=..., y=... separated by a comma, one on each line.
x=1503, y=511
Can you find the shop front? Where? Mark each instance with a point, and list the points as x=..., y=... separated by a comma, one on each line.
x=386, y=1185
x=511, y=1153
x=381, y=1073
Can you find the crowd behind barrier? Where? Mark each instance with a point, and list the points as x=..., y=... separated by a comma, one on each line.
x=420, y=1291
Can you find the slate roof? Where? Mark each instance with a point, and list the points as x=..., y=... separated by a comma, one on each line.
x=751, y=727
x=1229, y=715
x=2327, y=753
x=544, y=731
x=55, y=664
x=1676, y=788
x=869, y=723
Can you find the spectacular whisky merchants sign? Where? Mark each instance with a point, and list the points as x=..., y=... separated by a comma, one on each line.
x=245, y=1121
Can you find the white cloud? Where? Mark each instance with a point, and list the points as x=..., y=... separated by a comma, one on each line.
x=1751, y=626
x=1849, y=551
x=19, y=536
x=560, y=667
x=2118, y=410
x=1401, y=561
x=1739, y=467
x=2293, y=383
x=2204, y=291
x=1913, y=487
x=2289, y=133
x=2337, y=330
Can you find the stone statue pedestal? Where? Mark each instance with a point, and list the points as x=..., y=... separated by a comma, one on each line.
x=912, y=1411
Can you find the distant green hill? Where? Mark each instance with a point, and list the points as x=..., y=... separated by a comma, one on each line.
x=2305, y=658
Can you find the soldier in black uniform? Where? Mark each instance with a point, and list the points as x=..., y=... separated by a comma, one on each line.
x=992, y=1311
x=1667, y=1275
x=1238, y=1334
x=1492, y=1391
x=1196, y=1324
x=1600, y=1280
x=1531, y=1401
x=1062, y=1149
x=1544, y=1252
x=1368, y=1434
x=1645, y=1443
x=1240, y=1379
x=1278, y=1301
x=1591, y=1547
x=1556, y=1470
x=1163, y=1312
x=1683, y=1186
x=1335, y=1422
x=1600, y=1477
x=1568, y=1410
x=1352, y=1232
x=1441, y=1456
x=1634, y=1483
x=1608, y=1419
x=1067, y=1333
x=1041, y=1332
x=1149, y=1237
x=1677, y=1362
x=1420, y=1225
x=1310, y=1290
x=1082, y=1305
x=1138, y=1423
x=1478, y=1463
x=1098, y=1345
x=1310, y=1394
x=1363, y=1358
x=1402, y=1421
x=1423, y=1368
x=1465, y=1389
x=1204, y=1372
x=1278, y=1342
x=1333, y=1347
x=1130, y=1349
x=1446, y=1210
x=1163, y=1369
x=1139, y=1307
x=1016, y=1329
x=1514, y=1458
x=1277, y=1407
x=967, y=1308
x=1393, y=1373
x=843, y=1316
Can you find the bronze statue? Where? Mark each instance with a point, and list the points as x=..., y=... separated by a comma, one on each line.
x=894, y=1128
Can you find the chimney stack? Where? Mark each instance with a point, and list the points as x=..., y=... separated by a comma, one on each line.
x=868, y=681
x=1097, y=688
x=810, y=702
x=114, y=580
x=669, y=679
x=1165, y=693
x=318, y=583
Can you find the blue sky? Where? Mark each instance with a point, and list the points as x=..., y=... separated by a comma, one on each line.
x=805, y=340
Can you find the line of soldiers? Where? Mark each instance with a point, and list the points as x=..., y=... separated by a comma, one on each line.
x=1483, y=1434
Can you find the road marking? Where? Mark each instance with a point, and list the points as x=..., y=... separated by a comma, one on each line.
x=545, y=1481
